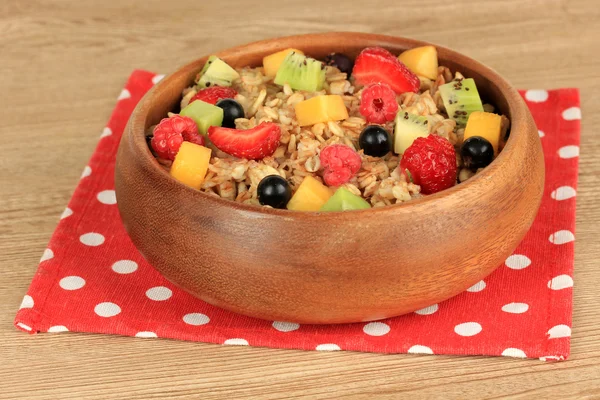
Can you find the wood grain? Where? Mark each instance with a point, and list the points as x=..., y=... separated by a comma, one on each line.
x=62, y=64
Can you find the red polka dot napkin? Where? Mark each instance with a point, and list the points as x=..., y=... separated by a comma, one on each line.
x=92, y=279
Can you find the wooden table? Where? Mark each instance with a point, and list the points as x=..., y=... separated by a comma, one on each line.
x=62, y=64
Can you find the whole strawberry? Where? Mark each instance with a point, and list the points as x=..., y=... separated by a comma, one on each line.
x=431, y=163
x=171, y=132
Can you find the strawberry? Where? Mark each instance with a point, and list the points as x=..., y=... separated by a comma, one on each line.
x=375, y=64
x=253, y=144
x=213, y=94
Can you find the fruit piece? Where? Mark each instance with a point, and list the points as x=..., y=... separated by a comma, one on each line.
x=375, y=64
x=477, y=152
x=232, y=110
x=253, y=144
x=320, y=109
x=340, y=61
x=375, y=141
x=274, y=191
x=345, y=200
x=486, y=125
x=408, y=128
x=431, y=163
x=340, y=163
x=310, y=196
x=271, y=63
x=213, y=94
x=216, y=72
x=422, y=61
x=378, y=103
x=170, y=133
x=301, y=73
x=190, y=164
x=461, y=99
x=204, y=115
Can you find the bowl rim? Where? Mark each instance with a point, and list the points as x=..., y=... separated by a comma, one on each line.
x=517, y=110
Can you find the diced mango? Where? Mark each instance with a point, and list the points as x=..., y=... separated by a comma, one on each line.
x=190, y=164
x=486, y=125
x=310, y=196
x=271, y=63
x=422, y=61
x=321, y=109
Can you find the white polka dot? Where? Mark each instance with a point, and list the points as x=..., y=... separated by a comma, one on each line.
x=124, y=267
x=23, y=326
x=146, y=334
x=515, y=308
x=559, y=331
x=27, y=302
x=285, y=326
x=478, y=287
x=561, y=237
x=536, y=96
x=67, y=213
x=572, y=113
x=196, y=319
x=563, y=193
x=328, y=347
x=427, y=310
x=47, y=255
x=236, y=342
x=159, y=293
x=125, y=94
x=157, y=78
x=541, y=133
x=58, y=329
x=418, y=349
x=106, y=132
x=91, y=239
x=551, y=358
x=560, y=282
x=570, y=151
x=376, y=329
x=468, y=329
x=107, y=197
x=72, y=282
x=517, y=261
x=512, y=352
x=107, y=309
x=87, y=171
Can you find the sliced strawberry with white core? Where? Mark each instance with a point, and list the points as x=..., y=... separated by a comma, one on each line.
x=376, y=64
x=252, y=144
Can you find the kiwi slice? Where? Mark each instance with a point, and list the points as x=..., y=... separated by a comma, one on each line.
x=301, y=73
x=461, y=99
x=408, y=128
x=216, y=72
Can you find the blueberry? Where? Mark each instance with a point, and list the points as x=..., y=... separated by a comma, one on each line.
x=477, y=152
x=274, y=191
x=340, y=61
x=375, y=141
x=231, y=111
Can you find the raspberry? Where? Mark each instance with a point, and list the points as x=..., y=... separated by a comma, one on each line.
x=431, y=162
x=171, y=132
x=213, y=94
x=378, y=103
x=340, y=164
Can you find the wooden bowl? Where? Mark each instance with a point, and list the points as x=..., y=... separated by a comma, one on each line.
x=330, y=267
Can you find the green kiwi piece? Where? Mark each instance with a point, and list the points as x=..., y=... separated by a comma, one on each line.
x=216, y=72
x=204, y=115
x=408, y=128
x=461, y=99
x=301, y=73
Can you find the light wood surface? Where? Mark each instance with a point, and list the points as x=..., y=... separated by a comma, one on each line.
x=62, y=65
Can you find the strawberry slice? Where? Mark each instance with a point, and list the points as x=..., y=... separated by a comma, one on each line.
x=377, y=65
x=213, y=94
x=253, y=144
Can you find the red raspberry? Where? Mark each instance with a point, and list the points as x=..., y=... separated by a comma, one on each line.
x=431, y=162
x=378, y=103
x=340, y=164
x=171, y=132
x=213, y=94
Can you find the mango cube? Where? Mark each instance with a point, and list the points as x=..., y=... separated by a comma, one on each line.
x=310, y=196
x=191, y=164
x=485, y=125
x=321, y=109
x=422, y=61
x=204, y=115
x=271, y=63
